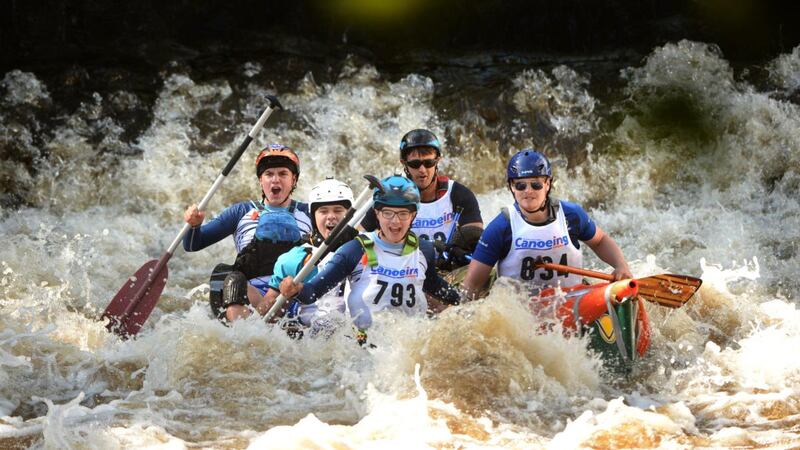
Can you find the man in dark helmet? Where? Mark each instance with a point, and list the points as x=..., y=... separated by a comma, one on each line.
x=537, y=226
x=262, y=231
x=447, y=207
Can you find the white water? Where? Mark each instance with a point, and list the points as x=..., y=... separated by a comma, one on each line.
x=719, y=202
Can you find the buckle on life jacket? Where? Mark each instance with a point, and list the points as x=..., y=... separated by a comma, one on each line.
x=442, y=184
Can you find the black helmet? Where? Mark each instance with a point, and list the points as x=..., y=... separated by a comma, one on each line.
x=418, y=138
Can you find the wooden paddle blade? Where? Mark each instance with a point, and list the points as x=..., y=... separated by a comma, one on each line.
x=134, y=302
x=672, y=291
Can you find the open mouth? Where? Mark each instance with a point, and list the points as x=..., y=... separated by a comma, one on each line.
x=275, y=190
x=330, y=226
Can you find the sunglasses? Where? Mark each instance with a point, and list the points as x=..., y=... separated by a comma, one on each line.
x=535, y=185
x=417, y=163
x=390, y=215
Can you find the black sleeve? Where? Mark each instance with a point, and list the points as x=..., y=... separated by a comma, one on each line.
x=434, y=284
x=370, y=221
x=463, y=198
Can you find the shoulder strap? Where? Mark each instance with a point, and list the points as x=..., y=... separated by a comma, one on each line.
x=308, y=255
x=292, y=206
x=369, y=249
x=442, y=184
x=411, y=244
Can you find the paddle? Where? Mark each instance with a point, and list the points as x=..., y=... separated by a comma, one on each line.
x=672, y=291
x=134, y=302
x=354, y=215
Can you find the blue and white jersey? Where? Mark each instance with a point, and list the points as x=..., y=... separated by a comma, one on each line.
x=395, y=283
x=350, y=261
x=513, y=244
x=550, y=242
x=240, y=221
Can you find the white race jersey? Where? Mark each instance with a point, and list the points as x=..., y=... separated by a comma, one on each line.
x=394, y=283
x=436, y=220
x=551, y=242
x=331, y=302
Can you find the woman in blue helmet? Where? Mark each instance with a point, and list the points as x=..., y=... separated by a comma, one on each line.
x=536, y=226
x=389, y=269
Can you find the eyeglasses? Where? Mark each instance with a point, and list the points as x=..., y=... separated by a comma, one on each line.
x=416, y=163
x=388, y=214
x=535, y=185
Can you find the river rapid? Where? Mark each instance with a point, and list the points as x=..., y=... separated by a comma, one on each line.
x=689, y=161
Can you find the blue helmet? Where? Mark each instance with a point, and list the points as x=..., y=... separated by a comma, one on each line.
x=397, y=191
x=528, y=163
x=418, y=138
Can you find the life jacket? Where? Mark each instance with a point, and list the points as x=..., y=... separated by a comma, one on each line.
x=277, y=233
x=370, y=259
x=441, y=186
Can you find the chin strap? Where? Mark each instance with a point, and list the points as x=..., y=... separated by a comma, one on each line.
x=434, y=179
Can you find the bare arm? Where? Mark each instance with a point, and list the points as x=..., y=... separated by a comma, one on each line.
x=608, y=250
x=475, y=282
x=264, y=304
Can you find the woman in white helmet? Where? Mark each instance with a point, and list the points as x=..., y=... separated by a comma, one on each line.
x=328, y=203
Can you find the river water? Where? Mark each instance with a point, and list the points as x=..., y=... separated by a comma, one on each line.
x=688, y=160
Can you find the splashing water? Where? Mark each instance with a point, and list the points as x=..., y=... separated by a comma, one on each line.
x=691, y=168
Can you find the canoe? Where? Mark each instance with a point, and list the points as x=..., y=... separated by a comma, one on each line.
x=612, y=313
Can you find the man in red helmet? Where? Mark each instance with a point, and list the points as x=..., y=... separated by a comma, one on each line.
x=261, y=231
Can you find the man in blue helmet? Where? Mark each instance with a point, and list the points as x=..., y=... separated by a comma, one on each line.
x=389, y=269
x=536, y=226
x=447, y=207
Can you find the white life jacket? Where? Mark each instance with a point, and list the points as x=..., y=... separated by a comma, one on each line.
x=333, y=301
x=387, y=281
x=436, y=219
x=551, y=242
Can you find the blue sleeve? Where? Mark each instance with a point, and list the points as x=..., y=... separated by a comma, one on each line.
x=289, y=265
x=495, y=241
x=219, y=228
x=463, y=198
x=581, y=227
x=341, y=265
x=434, y=284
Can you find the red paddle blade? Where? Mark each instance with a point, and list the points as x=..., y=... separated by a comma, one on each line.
x=134, y=302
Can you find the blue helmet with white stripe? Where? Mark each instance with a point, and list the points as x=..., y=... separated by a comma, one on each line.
x=528, y=163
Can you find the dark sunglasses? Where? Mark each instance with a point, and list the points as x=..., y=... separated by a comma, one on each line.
x=535, y=185
x=417, y=163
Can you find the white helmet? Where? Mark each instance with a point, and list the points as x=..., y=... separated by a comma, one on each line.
x=330, y=190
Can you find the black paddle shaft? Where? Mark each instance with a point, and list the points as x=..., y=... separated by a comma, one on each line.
x=134, y=302
x=273, y=104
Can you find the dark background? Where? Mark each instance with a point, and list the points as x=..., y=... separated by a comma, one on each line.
x=50, y=33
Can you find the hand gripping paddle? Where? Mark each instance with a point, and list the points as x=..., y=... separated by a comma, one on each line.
x=134, y=302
